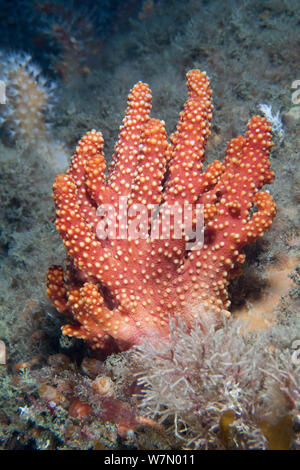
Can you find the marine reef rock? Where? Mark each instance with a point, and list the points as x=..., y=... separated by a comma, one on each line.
x=117, y=291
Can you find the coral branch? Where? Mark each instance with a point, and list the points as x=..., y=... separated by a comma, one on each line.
x=124, y=285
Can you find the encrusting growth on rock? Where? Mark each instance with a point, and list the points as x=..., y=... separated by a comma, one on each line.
x=120, y=289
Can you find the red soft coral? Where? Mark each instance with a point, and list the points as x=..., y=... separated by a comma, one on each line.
x=122, y=289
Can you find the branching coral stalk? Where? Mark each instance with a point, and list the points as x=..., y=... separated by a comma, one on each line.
x=120, y=288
